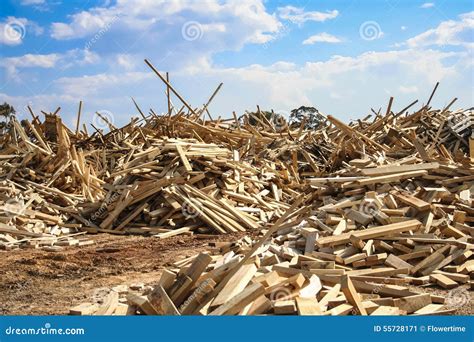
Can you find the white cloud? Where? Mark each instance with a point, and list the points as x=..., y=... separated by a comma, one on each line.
x=87, y=85
x=14, y=30
x=48, y=61
x=449, y=32
x=127, y=61
x=344, y=86
x=89, y=57
x=408, y=89
x=403, y=28
x=30, y=60
x=361, y=81
x=427, y=5
x=189, y=30
x=11, y=64
x=322, y=38
x=32, y=2
x=297, y=15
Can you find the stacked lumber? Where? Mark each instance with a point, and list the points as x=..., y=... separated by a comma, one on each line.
x=184, y=172
x=292, y=270
x=22, y=224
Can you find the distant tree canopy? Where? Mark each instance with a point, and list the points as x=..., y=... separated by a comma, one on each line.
x=6, y=110
x=256, y=118
x=313, y=119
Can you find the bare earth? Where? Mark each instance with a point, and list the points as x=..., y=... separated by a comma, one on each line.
x=35, y=282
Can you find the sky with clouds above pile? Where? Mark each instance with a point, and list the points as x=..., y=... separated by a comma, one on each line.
x=343, y=57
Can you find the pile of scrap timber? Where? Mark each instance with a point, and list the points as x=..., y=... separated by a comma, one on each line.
x=184, y=172
x=297, y=267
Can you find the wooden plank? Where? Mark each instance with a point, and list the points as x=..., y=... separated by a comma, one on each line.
x=443, y=281
x=284, y=307
x=414, y=202
x=84, y=309
x=390, y=169
x=109, y=305
x=414, y=303
x=436, y=257
x=308, y=307
x=351, y=295
x=394, y=261
x=183, y=158
x=370, y=233
x=386, y=311
x=142, y=303
x=235, y=285
x=238, y=302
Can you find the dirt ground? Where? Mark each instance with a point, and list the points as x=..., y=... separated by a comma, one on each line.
x=36, y=282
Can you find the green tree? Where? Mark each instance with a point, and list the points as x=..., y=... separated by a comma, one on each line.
x=6, y=111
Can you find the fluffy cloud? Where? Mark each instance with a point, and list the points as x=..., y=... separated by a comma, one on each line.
x=373, y=76
x=188, y=30
x=449, y=32
x=14, y=30
x=322, y=38
x=343, y=86
x=427, y=5
x=32, y=2
x=63, y=61
x=408, y=89
x=297, y=15
x=12, y=64
x=87, y=85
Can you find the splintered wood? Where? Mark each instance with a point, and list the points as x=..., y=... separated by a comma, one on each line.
x=349, y=214
x=276, y=275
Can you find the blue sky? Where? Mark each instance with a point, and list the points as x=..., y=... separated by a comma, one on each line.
x=343, y=57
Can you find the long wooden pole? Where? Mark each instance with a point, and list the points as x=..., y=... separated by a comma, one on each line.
x=210, y=100
x=78, y=117
x=170, y=86
x=168, y=93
